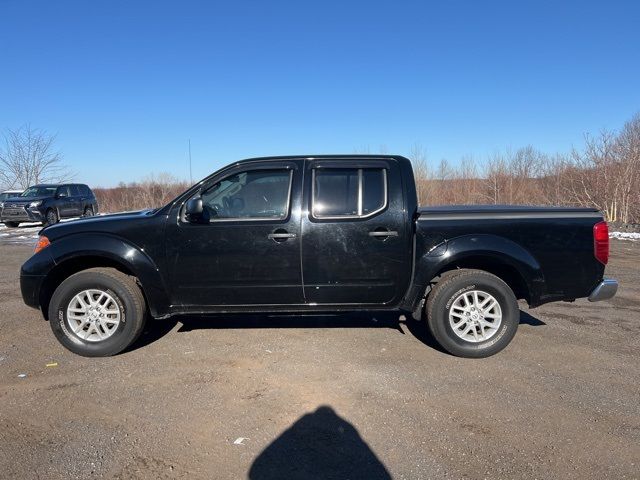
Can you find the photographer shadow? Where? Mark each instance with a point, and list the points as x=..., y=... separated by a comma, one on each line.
x=319, y=445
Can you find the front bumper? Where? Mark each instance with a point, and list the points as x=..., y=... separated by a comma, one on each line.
x=33, y=275
x=605, y=290
x=30, y=288
x=22, y=214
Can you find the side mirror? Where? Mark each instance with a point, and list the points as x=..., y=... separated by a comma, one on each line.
x=194, y=209
x=61, y=195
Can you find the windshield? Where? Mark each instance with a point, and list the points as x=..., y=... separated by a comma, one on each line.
x=39, y=192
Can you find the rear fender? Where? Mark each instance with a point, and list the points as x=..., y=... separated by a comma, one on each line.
x=464, y=250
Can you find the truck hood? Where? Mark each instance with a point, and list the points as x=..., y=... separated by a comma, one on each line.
x=111, y=224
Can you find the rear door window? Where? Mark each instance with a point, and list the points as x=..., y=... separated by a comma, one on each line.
x=348, y=192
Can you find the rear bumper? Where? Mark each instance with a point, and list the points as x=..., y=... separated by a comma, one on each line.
x=605, y=290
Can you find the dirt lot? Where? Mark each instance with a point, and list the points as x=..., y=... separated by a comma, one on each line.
x=326, y=397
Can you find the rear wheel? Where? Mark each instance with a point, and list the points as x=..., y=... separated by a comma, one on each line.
x=97, y=312
x=12, y=224
x=88, y=212
x=472, y=313
x=51, y=217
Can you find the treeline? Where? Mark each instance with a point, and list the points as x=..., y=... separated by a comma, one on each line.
x=604, y=173
x=153, y=191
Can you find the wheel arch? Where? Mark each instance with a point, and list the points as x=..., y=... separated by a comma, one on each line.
x=107, y=252
x=497, y=255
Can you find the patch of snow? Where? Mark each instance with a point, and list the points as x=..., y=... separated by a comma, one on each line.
x=633, y=236
x=25, y=234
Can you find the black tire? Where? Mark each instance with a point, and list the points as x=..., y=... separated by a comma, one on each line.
x=88, y=212
x=51, y=217
x=126, y=293
x=445, y=293
x=12, y=224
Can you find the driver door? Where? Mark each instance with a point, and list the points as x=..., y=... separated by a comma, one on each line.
x=64, y=202
x=246, y=248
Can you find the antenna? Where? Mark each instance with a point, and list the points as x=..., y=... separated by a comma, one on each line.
x=190, y=173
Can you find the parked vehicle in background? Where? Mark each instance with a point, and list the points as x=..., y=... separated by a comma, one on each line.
x=314, y=234
x=8, y=194
x=48, y=203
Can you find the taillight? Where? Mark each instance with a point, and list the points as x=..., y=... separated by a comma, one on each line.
x=601, y=242
x=43, y=242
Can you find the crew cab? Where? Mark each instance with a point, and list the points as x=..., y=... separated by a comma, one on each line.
x=48, y=203
x=314, y=234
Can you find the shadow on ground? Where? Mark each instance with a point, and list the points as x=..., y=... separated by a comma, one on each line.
x=319, y=445
x=156, y=329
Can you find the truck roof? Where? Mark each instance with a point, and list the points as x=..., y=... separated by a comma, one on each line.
x=347, y=157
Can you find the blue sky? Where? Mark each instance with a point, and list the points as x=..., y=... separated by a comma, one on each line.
x=125, y=84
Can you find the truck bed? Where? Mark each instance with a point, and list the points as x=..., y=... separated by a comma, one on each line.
x=559, y=240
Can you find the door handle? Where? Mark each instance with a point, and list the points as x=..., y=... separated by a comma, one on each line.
x=281, y=235
x=383, y=233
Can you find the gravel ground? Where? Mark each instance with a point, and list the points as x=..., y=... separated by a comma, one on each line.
x=353, y=396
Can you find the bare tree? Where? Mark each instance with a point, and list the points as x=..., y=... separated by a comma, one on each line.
x=495, y=179
x=28, y=157
x=627, y=149
x=418, y=157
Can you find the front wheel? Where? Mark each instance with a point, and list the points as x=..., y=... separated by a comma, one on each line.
x=12, y=224
x=472, y=314
x=97, y=312
x=88, y=212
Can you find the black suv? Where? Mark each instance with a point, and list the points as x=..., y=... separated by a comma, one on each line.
x=49, y=203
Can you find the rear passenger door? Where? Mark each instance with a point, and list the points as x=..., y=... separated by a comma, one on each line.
x=356, y=240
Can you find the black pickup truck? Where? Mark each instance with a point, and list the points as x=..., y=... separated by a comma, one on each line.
x=308, y=234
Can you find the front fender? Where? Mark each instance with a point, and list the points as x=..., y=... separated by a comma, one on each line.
x=492, y=247
x=120, y=251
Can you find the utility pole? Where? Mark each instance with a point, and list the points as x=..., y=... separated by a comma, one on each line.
x=190, y=172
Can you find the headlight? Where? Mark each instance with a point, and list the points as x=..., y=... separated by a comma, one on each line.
x=1, y=204
x=36, y=204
